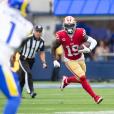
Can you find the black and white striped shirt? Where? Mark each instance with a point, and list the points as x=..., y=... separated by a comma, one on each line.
x=30, y=46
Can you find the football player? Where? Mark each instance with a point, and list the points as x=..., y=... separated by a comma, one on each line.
x=71, y=38
x=13, y=29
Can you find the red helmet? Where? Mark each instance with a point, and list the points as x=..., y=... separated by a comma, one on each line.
x=69, y=24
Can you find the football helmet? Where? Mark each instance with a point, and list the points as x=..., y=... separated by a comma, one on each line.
x=69, y=24
x=21, y=5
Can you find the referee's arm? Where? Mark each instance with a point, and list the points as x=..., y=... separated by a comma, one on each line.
x=42, y=54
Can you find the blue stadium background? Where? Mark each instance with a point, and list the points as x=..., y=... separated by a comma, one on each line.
x=83, y=7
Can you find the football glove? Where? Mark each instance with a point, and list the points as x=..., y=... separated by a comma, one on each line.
x=56, y=64
x=44, y=65
x=84, y=50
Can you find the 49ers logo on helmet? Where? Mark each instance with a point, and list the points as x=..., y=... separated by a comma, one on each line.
x=69, y=20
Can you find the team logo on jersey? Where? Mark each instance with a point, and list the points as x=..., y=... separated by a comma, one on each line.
x=63, y=39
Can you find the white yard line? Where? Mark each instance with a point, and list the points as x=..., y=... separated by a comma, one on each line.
x=97, y=112
x=35, y=113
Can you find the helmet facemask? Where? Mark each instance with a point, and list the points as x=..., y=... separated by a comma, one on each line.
x=69, y=28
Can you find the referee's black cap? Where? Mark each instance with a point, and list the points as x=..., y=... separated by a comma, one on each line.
x=38, y=28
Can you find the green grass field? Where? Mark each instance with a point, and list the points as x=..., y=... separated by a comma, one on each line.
x=51, y=101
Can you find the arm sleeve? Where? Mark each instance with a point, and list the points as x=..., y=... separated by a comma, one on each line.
x=89, y=39
x=92, y=41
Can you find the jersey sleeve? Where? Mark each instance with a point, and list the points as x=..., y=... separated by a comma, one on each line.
x=42, y=46
x=58, y=36
x=83, y=34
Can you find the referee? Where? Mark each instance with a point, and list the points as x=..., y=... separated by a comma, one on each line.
x=32, y=45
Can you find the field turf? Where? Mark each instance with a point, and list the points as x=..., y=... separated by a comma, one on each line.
x=71, y=100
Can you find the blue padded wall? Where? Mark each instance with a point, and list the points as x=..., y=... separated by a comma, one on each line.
x=83, y=7
x=95, y=70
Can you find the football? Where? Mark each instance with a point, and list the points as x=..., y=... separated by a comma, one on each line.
x=87, y=44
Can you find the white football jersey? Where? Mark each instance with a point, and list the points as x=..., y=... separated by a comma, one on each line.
x=13, y=30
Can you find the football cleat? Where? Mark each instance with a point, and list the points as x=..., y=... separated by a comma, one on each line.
x=33, y=95
x=98, y=99
x=64, y=83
